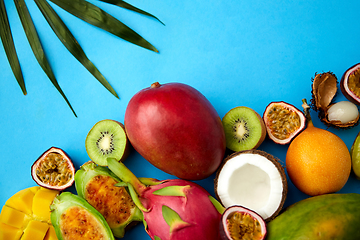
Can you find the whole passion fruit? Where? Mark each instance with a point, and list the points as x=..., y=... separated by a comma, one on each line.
x=283, y=121
x=350, y=84
x=240, y=223
x=53, y=170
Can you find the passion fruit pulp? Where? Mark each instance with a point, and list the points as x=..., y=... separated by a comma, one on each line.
x=53, y=170
x=240, y=223
x=283, y=121
x=350, y=84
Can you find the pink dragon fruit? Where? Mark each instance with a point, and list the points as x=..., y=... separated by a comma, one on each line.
x=173, y=209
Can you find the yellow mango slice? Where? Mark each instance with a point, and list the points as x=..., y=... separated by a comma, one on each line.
x=26, y=215
x=13, y=217
x=41, y=203
x=22, y=200
x=9, y=233
x=51, y=234
x=35, y=230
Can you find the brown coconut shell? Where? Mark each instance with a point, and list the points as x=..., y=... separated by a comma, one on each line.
x=276, y=163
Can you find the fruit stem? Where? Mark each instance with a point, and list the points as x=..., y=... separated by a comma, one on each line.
x=120, y=170
x=155, y=85
x=307, y=112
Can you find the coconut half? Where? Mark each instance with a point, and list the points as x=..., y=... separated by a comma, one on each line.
x=253, y=179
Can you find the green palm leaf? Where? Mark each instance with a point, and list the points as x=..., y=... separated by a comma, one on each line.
x=99, y=18
x=128, y=6
x=70, y=42
x=8, y=43
x=36, y=46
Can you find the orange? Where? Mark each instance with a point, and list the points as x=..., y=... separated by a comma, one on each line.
x=318, y=161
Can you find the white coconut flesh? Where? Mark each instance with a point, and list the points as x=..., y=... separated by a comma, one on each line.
x=253, y=181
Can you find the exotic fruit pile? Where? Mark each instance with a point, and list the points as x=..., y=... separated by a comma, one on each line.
x=176, y=129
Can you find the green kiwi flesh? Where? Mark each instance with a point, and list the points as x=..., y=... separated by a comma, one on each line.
x=244, y=129
x=107, y=138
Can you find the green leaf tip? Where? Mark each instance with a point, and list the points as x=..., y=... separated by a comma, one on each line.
x=173, y=219
x=36, y=46
x=150, y=181
x=176, y=191
x=68, y=40
x=219, y=207
x=9, y=47
x=136, y=199
x=95, y=16
x=130, y=7
x=157, y=238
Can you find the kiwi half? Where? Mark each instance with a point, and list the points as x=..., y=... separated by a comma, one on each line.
x=244, y=129
x=107, y=138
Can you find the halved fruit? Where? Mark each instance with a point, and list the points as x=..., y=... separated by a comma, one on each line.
x=283, y=121
x=240, y=223
x=107, y=138
x=244, y=129
x=53, y=170
x=26, y=215
x=253, y=179
x=74, y=218
x=96, y=184
x=350, y=84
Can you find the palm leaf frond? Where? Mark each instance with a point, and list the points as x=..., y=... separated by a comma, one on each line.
x=71, y=43
x=99, y=18
x=9, y=47
x=128, y=6
x=36, y=46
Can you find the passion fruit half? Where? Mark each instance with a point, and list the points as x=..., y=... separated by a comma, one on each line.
x=53, y=170
x=350, y=84
x=240, y=223
x=283, y=121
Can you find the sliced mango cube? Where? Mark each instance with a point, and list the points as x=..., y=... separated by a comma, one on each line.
x=26, y=215
x=13, y=217
x=22, y=200
x=35, y=230
x=9, y=233
x=41, y=203
x=51, y=234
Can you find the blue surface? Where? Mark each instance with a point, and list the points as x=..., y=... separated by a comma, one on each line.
x=237, y=53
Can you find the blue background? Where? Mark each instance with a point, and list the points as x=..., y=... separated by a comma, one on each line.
x=237, y=53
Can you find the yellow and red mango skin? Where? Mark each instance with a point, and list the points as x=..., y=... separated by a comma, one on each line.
x=176, y=129
x=324, y=217
x=26, y=215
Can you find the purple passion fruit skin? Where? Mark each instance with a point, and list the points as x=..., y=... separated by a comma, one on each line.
x=283, y=122
x=238, y=222
x=96, y=185
x=74, y=218
x=53, y=170
x=350, y=85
